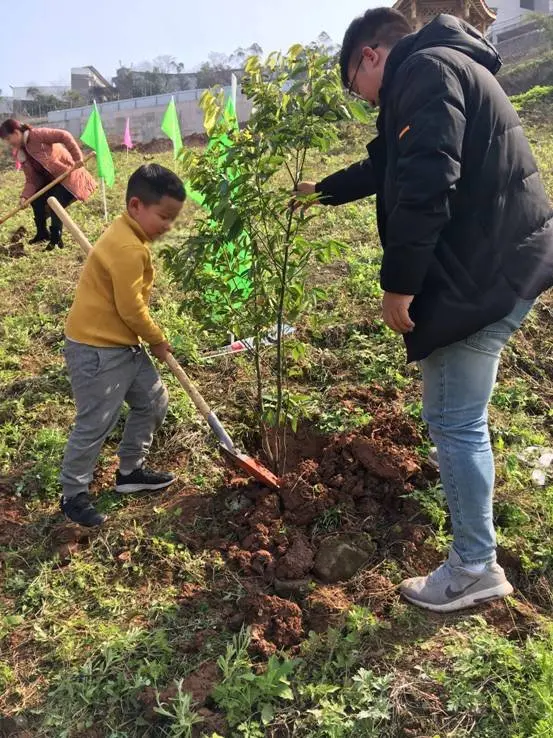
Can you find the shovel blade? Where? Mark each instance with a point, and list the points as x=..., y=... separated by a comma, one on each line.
x=253, y=468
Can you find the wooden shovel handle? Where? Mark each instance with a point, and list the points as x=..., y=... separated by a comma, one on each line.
x=70, y=224
x=43, y=191
x=203, y=408
x=187, y=385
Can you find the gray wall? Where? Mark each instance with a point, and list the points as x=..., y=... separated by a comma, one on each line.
x=145, y=114
x=528, y=44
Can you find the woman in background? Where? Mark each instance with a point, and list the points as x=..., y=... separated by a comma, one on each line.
x=44, y=154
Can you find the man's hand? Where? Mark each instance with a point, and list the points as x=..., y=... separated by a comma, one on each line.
x=161, y=350
x=303, y=188
x=395, y=311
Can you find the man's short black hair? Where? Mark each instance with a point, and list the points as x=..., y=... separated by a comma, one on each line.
x=151, y=182
x=382, y=26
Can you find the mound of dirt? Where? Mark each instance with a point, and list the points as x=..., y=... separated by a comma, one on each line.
x=199, y=684
x=356, y=483
x=341, y=507
x=16, y=247
x=162, y=145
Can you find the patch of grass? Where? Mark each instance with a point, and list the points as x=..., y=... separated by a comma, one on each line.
x=535, y=95
x=105, y=688
x=496, y=686
x=45, y=449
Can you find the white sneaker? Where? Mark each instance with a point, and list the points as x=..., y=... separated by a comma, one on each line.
x=432, y=458
x=453, y=587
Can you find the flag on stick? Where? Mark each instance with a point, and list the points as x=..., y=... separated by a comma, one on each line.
x=127, y=139
x=94, y=136
x=171, y=128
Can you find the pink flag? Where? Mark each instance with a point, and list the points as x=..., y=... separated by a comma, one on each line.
x=127, y=140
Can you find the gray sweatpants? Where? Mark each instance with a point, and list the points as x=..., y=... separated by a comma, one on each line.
x=103, y=379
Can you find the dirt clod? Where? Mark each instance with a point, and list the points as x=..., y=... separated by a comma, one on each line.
x=298, y=560
x=201, y=682
x=12, y=515
x=326, y=607
x=275, y=623
x=292, y=588
x=383, y=459
x=16, y=247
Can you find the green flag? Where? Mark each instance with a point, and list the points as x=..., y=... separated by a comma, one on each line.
x=170, y=126
x=94, y=136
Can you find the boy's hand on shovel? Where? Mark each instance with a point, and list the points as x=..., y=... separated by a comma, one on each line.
x=160, y=350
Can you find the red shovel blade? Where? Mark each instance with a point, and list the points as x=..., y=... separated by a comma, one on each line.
x=253, y=467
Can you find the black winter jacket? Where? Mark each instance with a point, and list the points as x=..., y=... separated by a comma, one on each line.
x=463, y=216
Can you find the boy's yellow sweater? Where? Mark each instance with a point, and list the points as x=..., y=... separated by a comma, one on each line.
x=111, y=302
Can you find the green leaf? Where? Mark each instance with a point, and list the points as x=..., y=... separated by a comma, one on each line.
x=230, y=218
x=359, y=111
x=295, y=50
x=267, y=713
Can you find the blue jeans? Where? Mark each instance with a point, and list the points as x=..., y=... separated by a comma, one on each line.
x=458, y=381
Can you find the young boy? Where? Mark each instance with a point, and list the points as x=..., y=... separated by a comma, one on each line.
x=106, y=361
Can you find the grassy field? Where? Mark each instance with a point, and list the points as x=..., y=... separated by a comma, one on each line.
x=184, y=615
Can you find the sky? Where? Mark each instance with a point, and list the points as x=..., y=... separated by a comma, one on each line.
x=41, y=44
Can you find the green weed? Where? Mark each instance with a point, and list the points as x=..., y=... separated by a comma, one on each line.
x=247, y=696
x=179, y=714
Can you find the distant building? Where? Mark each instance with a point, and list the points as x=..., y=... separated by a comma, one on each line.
x=89, y=83
x=21, y=92
x=6, y=106
x=512, y=12
x=475, y=12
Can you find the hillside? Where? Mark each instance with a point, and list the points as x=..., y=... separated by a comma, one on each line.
x=199, y=612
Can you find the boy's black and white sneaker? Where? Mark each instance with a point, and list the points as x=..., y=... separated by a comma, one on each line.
x=80, y=510
x=53, y=244
x=142, y=480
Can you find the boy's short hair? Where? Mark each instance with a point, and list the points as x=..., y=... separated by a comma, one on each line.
x=378, y=26
x=151, y=182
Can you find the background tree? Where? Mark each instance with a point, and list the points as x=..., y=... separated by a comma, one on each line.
x=73, y=99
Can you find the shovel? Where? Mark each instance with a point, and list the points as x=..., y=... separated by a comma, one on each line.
x=246, y=463
x=45, y=189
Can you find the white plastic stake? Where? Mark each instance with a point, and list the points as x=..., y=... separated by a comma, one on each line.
x=104, y=198
x=233, y=88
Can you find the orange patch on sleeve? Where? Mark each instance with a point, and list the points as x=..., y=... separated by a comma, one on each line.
x=404, y=131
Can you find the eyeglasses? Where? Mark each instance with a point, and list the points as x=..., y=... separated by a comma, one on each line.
x=350, y=86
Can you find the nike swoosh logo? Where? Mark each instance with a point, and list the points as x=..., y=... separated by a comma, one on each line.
x=451, y=594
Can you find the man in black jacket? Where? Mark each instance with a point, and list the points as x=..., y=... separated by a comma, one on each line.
x=467, y=233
